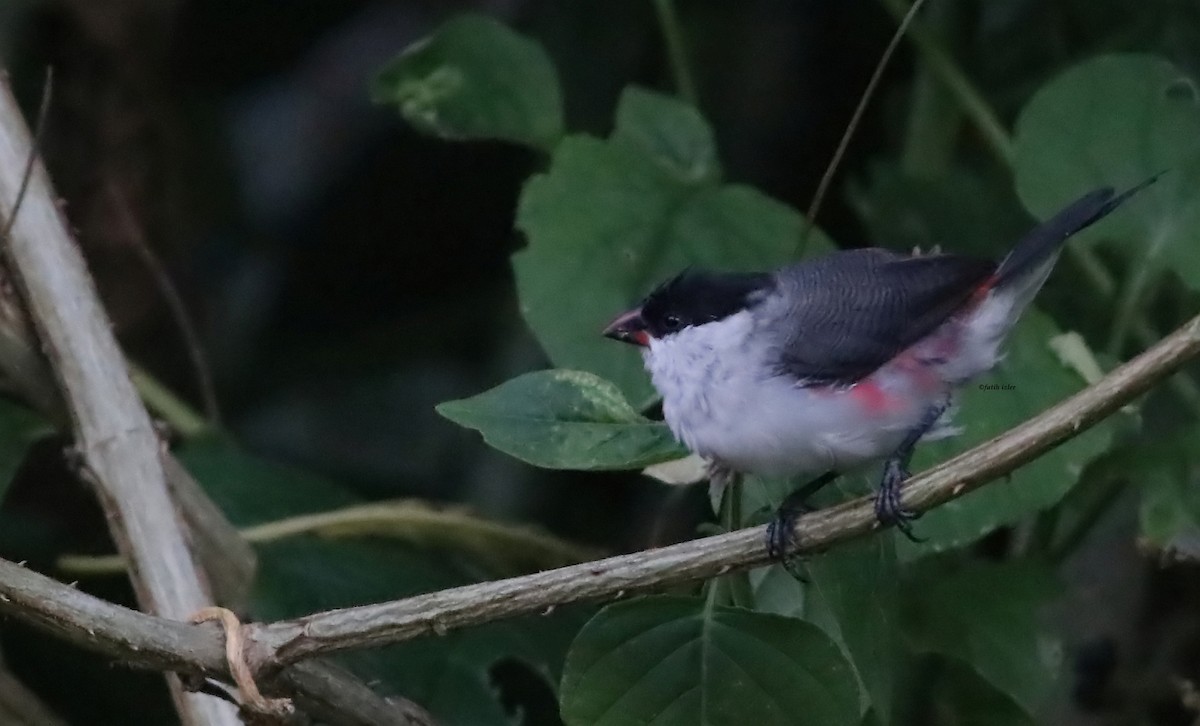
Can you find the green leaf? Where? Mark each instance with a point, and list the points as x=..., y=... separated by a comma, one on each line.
x=963, y=212
x=857, y=585
x=1114, y=121
x=670, y=660
x=563, y=419
x=844, y=592
x=960, y=696
x=1029, y=380
x=674, y=135
x=476, y=79
x=251, y=490
x=19, y=428
x=986, y=616
x=1166, y=472
x=778, y=592
x=611, y=219
x=1170, y=508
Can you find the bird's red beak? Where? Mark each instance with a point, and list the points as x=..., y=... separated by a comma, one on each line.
x=629, y=328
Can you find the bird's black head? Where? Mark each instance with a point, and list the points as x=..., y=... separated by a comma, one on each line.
x=696, y=297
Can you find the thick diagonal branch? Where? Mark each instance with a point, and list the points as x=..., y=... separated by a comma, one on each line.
x=116, y=441
x=148, y=641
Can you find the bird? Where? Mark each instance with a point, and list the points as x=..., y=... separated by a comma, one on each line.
x=832, y=363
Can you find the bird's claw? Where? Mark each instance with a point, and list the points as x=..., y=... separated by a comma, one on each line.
x=781, y=536
x=888, y=508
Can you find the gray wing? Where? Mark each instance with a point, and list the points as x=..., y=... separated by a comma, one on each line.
x=850, y=312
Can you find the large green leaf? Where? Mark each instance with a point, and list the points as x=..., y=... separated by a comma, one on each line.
x=1029, y=380
x=857, y=584
x=251, y=490
x=564, y=419
x=475, y=78
x=1116, y=120
x=670, y=660
x=960, y=697
x=1166, y=473
x=986, y=616
x=612, y=218
x=962, y=212
x=843, y=592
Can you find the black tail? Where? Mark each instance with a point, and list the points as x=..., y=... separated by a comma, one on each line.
x=1045, y=239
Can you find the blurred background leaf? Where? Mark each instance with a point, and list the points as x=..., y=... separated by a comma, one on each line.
x=1116, y=121
x=476, y=79
x=987, y=617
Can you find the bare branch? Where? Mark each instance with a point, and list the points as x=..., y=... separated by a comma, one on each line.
x=827, y=178
x=165, y=644
x=151, y=642
x=115, y=437
x=438, y=612
x=170, y=294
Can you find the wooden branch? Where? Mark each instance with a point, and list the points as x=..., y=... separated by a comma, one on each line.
x=438, y=612
x=154, y=642
x=337, y=696
x=114, y=436
x=197, y=650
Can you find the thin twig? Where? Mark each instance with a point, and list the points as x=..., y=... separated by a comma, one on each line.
x=39, y=127
x=166, y=404
x=410, y=520
x=668, y=20
x=170, y=294
x=939, y=60
x=844, y=143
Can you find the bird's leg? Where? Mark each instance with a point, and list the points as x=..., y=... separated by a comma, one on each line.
x=888, y=509
x=719, y=479
x=782, y=525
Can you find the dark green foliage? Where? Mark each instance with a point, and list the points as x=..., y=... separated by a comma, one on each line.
x=959, y=630
x=682, y=661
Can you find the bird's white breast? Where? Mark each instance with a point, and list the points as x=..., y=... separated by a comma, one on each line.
x=725, y=401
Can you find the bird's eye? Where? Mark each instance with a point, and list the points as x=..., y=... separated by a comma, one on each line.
x=673, y=322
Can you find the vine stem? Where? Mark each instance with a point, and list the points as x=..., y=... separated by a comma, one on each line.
x=827, y=178
x=668, y=20
x=942, y=64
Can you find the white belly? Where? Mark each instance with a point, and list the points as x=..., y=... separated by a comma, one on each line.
x=725, y=406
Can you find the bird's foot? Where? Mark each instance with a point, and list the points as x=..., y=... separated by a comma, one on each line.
x=782, y=528
x=888, y=508
x=781, y=531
